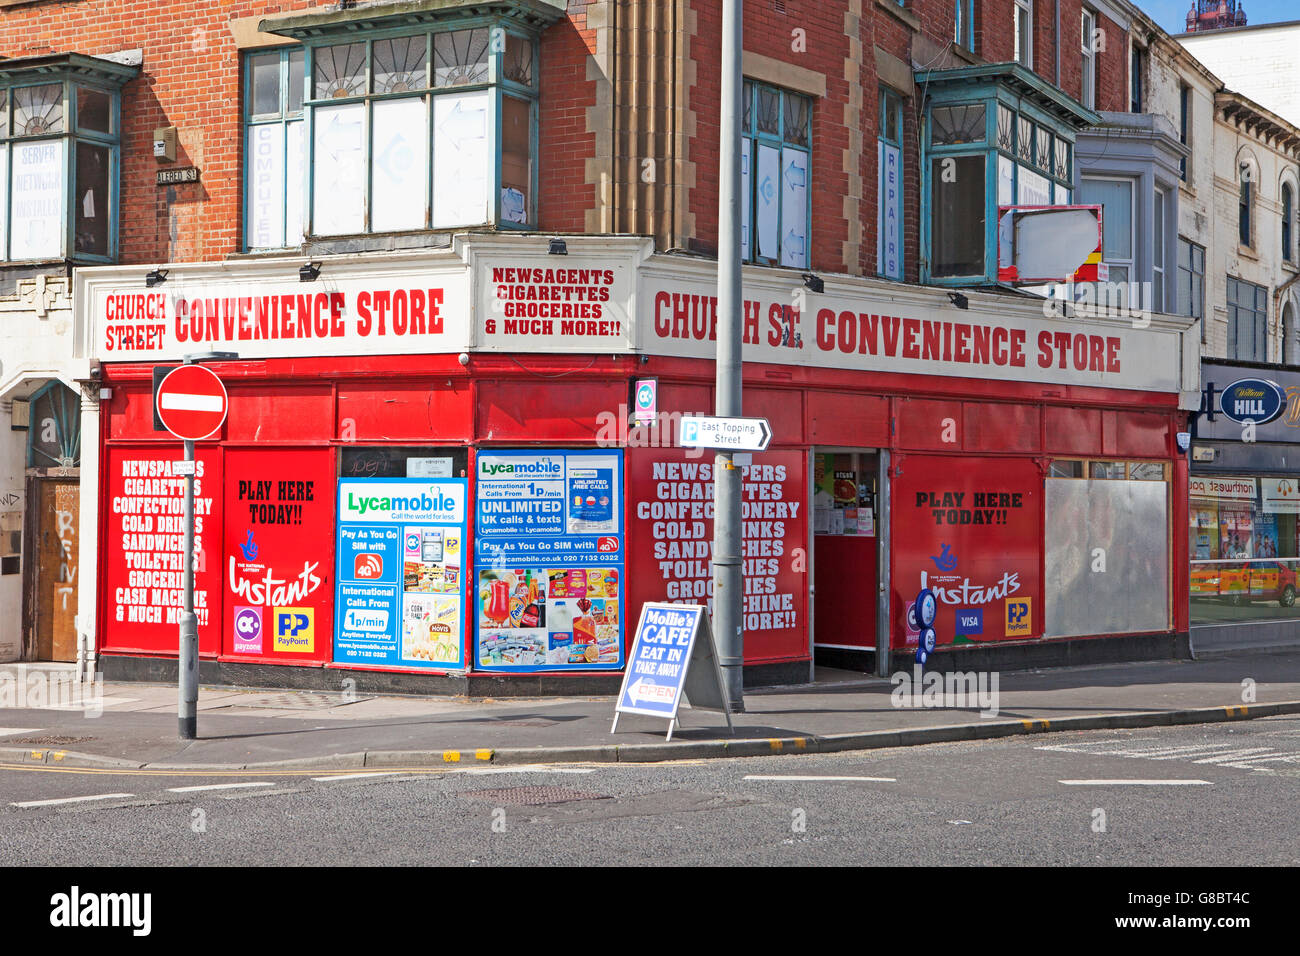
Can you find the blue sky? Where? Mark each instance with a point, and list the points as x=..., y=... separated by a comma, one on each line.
x=1172, y=14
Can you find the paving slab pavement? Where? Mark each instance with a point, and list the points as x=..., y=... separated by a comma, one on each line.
x=842, y=710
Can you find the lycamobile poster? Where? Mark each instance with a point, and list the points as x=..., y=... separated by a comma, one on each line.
x=401, y=572
x=548, y=560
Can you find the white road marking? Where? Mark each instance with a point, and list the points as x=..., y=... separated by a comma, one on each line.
x=1136, y=783
x=357, y=776
x=51, y=803
x=10, y=731
x=190, y=402
x=216, y=786
x=755, y=776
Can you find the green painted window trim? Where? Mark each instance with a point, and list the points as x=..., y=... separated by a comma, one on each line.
x=751, y=132
x=71, y=135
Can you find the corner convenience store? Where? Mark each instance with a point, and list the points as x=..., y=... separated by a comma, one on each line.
x=474, y=400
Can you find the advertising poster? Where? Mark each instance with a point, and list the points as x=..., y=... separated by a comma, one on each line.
x=144, y=549
x=401, y=572
x=972, y=536
x=548, y=560
x=276, y=581
x=671, y=498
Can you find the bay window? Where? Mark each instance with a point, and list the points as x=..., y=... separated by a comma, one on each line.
x=1001, y=138
x=384, y=127
x=60, y=131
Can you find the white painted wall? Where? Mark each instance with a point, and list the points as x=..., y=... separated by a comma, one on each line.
x=1259, y=62
x=36, y=345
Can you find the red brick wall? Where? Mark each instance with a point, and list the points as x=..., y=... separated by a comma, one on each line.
x=1112, y=68
x=191, y=80
x=769, y=32
x=564, y=144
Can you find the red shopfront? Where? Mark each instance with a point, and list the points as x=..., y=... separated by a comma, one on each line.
x=973, y=471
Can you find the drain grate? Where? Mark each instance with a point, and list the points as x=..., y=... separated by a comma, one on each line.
x=51, y=740
x=532, y=796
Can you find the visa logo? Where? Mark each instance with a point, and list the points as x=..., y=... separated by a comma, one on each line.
x=970, y=620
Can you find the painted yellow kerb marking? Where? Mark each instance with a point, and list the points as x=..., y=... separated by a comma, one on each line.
x=801, y=742
x=451, y=756
x=1236, y=711
x=482, y=755
x=774, y=743
x=57, y=755
x=38, y=754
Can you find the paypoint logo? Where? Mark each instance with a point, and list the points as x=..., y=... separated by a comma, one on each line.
x=1020, y=617
x=295, y=629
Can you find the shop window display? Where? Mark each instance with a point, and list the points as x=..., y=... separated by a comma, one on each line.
x=1244, y=547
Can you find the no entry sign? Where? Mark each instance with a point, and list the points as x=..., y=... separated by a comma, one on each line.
x=191, y=402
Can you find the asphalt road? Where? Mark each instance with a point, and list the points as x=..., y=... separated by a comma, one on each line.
x=1000, y=802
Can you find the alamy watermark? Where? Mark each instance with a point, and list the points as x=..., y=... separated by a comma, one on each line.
x=956, y=689
x=27, y=688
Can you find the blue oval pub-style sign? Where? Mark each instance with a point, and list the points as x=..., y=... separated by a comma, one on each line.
x=1252, y=400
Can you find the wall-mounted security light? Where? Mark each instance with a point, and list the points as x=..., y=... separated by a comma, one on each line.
x=308, y=272
x=959, y=300
x=558, y=248
x=156, y=277
x=813, y=283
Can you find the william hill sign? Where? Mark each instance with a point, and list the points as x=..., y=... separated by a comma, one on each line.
x=1253, y=400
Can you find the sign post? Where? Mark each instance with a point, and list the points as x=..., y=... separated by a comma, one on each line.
x=732, y=434
x=191, y=402
x=659, y=676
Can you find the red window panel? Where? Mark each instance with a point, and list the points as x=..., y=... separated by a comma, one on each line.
x=417, y=411
x=264, y=412
x=848, y=420
x=1072, y=431
x=925, y=423
x=1001, y=427
x=1141, y=435
x=547, y=411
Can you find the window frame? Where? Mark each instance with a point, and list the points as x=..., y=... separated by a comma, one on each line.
x=1246, y=207
x=284, y=120
x=1184, y=126
x=1131, y=262
x=1288, y=222
x=1196, y=299
x=891, y=102
x=496, y=85
x=963, y=29
x=1025, y=56
x=753, y=137
x=1136, y=70
x=1060, y=182
x=1088, y=62
x=70, y=136
x=1258, y=311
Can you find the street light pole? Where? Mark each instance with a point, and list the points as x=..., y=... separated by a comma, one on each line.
x=728, y=581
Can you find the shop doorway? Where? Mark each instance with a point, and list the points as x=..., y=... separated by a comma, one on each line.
x=54, y=574
x=846, y=579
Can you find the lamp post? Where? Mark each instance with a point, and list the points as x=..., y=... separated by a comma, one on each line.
x=728, y=583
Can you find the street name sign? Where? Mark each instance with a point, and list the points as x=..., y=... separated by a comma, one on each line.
x=672, y=661
x=736, y=434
